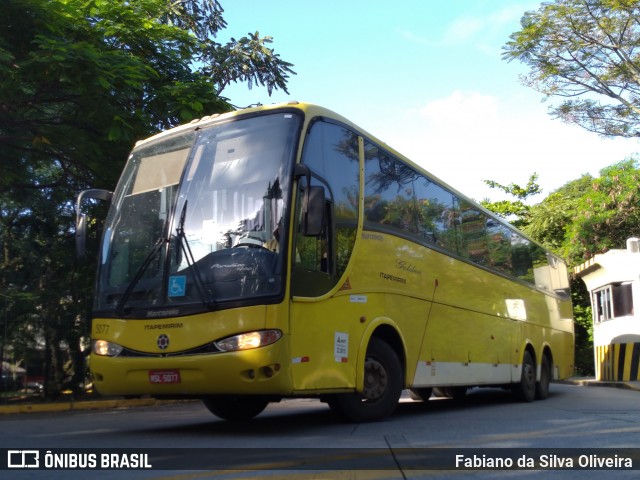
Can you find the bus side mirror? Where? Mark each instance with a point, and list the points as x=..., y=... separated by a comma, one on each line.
x=81, y=235
x=313, y=221
x=81, y=218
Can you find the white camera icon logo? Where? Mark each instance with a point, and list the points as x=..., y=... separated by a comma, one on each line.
x=23, y=459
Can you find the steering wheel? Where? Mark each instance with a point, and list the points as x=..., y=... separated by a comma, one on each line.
x=247, y=241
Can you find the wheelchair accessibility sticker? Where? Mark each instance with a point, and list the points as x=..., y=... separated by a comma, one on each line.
x=177, y=286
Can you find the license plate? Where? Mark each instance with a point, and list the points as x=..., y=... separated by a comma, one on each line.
x=164, y=376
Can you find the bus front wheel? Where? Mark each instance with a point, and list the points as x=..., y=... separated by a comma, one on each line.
x=235, y=407
x=383, y=381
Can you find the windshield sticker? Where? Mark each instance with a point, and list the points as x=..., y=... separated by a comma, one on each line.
x=341, y=347
x=177, y=286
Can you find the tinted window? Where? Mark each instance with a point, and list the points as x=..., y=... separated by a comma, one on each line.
x=500, y=243
x=404, y=202
x=436, y=213
x=389, y=192
x=473, y=239
x=331, y=152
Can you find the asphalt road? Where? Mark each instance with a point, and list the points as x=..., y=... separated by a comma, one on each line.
x=562, y=436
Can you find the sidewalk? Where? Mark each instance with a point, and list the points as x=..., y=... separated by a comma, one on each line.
x=591, y=382
x=107, y=403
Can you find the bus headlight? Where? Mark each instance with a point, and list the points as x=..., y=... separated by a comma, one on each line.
x=249, y=340
x=106, y=349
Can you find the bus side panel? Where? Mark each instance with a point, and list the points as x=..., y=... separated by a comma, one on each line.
x=481, y=323
x=399, y=277
x=410, y=315
x=562, y=339
x=393, y=287
x=465, y=348
x=325, y=336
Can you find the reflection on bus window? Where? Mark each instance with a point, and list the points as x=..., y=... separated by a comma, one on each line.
x=331, y=152
x=401, y=201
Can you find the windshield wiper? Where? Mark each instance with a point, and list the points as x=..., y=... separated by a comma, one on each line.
x=191, y=262
x=184, y=247
x=143, y=268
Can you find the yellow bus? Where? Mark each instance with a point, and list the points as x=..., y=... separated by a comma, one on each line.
x=281, y=251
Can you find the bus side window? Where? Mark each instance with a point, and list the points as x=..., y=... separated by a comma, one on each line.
x=541, y=268
x=331, y=153
x=472, y=242
x=435, y=213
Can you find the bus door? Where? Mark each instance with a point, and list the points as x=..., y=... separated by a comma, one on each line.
x=325, y=330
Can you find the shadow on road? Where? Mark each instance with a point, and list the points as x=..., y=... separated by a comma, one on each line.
x=295, y=417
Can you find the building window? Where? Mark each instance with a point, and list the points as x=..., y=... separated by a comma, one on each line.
x=615, y=300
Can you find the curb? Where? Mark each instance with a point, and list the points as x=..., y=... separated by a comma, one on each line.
x=590, y=382
x=83, y=405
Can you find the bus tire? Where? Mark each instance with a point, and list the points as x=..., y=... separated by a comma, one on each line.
x=383, y=382
x=235, y=407
x=525, y=390
x=542, y=387
x=456, y=393
x=421, y=394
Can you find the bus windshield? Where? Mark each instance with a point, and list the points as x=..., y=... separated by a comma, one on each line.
x=195, y=219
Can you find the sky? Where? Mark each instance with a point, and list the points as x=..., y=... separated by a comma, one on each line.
x=427, y=78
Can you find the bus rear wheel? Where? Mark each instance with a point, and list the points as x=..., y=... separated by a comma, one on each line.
x=456, y=393
x=542, y=387
x=525, y=390
x=235, y=407
x=421, y=394
x=383, y=381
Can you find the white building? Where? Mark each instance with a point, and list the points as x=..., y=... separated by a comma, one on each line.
x=613, y=281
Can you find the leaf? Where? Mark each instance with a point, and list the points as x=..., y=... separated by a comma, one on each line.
x=115, y=133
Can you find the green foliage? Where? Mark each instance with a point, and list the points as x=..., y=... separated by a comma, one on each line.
x=583, y=326
x=607, y=214
x=549, y=219
x=249, y=60
x=515, y=211
x=584, y=51
x=80, y=81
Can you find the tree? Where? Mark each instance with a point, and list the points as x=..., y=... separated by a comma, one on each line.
x=607, y=214
x=548, y=220
x=586, y=52
x=585, y=216
x=83, y=79
x=80, y=81
x=516, y=211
